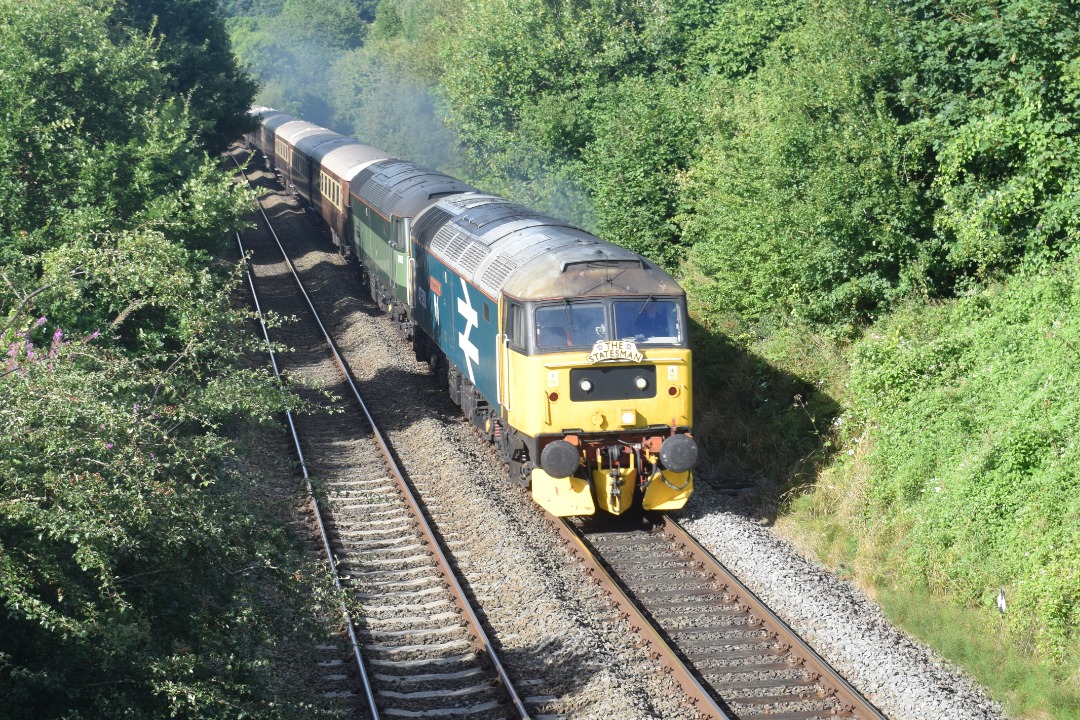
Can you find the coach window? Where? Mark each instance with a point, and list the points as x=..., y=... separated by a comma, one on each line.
x=516, y=327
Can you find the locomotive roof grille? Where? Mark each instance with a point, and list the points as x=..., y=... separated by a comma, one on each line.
x=374, y=193
x=457, y=244
x=458, y=248
x=496, y=273
x=429, y=222
x=472, y=256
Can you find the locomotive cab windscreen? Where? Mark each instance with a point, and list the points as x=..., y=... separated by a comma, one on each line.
x=579, y=324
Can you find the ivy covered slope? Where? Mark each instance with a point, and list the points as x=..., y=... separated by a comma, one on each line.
x=133, y=583
x=875, y=207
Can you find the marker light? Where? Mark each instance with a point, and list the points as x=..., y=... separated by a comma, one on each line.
x=628, y=417
x=641, y=383
x=553, y=396
x=585, y=385
x=673, y=390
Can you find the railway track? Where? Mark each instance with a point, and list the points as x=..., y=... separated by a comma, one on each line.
x=417, y=647
x=728, y=652
x=726, y=649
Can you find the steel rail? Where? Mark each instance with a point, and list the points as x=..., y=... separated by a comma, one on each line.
x=706, y=699
x=701, y=699
x=473, y=622
x=365, y=681
x=844, y=689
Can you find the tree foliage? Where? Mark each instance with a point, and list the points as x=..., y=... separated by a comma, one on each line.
x=132, y=581
x=196, y=55
x=803, y=202
x=294, y=49
x=994, y=100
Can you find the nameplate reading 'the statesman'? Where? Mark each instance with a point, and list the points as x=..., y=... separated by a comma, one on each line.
x=605, y=350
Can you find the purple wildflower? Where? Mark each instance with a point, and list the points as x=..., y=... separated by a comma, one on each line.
x=40, y=322
x=108, y=446
x=56, y=337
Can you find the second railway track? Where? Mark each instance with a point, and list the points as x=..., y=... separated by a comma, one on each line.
x=424, y=652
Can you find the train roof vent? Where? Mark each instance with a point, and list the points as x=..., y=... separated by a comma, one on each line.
x=474, y=200
x=362, y=177
x=374, y=193
x=458, y=249
x=495, y=232
x=485, y=215
x=471, y=258
x=428, y=223
x=444, y=239
x=497, y=271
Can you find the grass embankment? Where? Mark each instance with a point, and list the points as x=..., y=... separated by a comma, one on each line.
x=942, y=454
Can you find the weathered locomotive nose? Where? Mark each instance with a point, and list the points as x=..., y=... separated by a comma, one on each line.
x=560, y=459
x=679, y=453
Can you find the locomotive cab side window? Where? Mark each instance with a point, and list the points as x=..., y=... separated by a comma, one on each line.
x=516, y=328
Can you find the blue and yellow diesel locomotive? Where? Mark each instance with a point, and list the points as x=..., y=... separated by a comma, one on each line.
x=567, y=352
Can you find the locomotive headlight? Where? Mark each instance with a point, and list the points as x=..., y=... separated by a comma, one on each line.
x=640, y=383
x=628, y=417
x=585, y=385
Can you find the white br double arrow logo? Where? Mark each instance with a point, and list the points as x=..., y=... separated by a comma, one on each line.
x=467, y=311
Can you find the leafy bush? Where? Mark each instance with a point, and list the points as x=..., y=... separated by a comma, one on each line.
x=994, y=101
x=645, y=131
x=970, y=408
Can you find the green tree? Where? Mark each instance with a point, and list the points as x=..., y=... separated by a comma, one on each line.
x=196, y=54
x=293, y=53
x=995, y=103
x=646, y=132
x=132, y=583
x=803, y=202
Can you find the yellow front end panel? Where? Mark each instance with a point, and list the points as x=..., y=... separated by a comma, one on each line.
x=531, y=380
x=620, y=501
x=668, y=491
x=562, y=497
